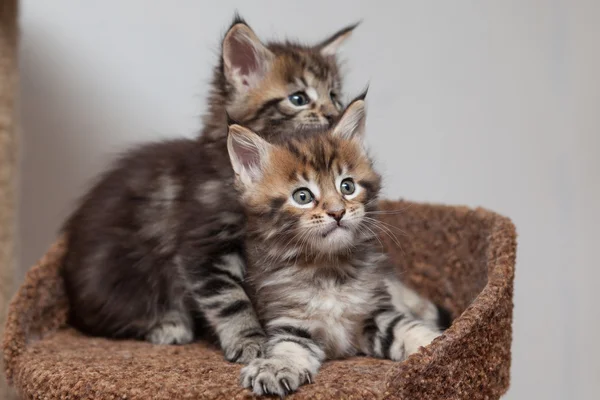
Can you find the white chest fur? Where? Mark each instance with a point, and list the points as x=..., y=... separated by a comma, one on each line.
x=333, y=313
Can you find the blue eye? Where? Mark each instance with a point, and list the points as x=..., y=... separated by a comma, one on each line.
x=303, y=196
x=299, y=99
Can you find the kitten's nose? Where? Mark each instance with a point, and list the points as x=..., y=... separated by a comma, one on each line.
x=337, y=214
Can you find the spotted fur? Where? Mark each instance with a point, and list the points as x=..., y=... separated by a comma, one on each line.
x=322, y=287
x=156, y=246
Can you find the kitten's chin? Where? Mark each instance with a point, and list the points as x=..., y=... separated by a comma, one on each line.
x=334, y=240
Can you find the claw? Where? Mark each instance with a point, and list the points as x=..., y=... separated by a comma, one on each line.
x=308, y=377
x=236, y=356
x=264, y=388
x=286, y=384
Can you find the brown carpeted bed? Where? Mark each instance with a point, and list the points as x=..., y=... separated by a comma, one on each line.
x=459, y=257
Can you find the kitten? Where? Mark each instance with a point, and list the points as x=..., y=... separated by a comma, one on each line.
x=278, y=85
x=320, y=283
x=156, y=247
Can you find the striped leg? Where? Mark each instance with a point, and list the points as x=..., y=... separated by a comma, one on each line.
x=393, y=334
x=225, y=305
x=404, y=297
x=293, y=359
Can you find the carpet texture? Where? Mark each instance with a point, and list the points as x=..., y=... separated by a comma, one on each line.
x=461, y=258
x=8, y=159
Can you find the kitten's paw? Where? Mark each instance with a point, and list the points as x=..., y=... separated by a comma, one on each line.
x=170, y=333
x=429, y=336
x=274, y=376
x=420, y=336
x=245, y=350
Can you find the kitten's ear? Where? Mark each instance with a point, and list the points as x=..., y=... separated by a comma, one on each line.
x=248, y=153
x=245, y=59
x=352, y=122
x=331, y=45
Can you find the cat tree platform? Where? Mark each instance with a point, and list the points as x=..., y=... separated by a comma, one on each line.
x=460, y=258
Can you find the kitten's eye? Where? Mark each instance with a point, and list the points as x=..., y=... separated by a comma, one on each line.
x=299, y=99
x=347, y=186
x=303, y=196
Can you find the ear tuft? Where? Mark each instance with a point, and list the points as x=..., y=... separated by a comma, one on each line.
x=238, y=19
x=330, y=46
x=230, y=120
x=361, y=96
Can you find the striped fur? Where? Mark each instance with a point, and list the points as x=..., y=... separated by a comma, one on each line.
x=156, y=247
x=322, y=287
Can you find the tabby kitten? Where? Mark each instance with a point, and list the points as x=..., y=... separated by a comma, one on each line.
x=156, y=247
x=320, y=283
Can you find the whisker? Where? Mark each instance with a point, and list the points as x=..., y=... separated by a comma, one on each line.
x=376, y=237
x=384, y=230
x=387, y=225
x=389, y=212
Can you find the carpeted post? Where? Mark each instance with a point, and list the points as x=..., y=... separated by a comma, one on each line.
x=8, y=160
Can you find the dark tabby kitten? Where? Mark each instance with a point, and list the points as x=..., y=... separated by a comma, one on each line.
x=156, y=246
x=320, y=283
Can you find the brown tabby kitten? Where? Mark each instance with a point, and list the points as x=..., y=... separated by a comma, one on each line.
x=156, y=247
x=320, y=283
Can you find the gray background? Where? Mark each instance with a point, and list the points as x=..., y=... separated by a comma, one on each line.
x=492, y=103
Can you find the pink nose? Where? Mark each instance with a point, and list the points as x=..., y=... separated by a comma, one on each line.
x=337, y=215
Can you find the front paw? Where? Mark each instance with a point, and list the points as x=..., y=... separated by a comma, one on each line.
x=418, y=337
x=245, y=350
x=274, y=376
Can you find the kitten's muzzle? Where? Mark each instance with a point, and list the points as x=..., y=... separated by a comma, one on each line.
x=337, y=215
x=333, y=228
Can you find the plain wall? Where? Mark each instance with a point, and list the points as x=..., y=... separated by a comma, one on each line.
x=484, y=103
